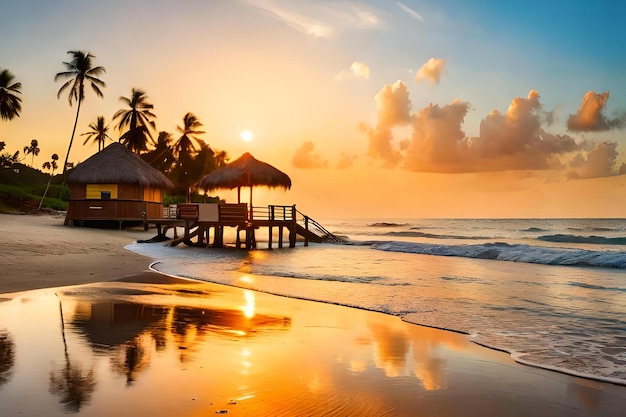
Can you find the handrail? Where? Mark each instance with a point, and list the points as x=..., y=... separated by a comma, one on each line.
x=309, y=223
x=279, y=213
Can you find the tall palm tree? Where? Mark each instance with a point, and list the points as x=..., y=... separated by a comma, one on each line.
x=184, y=146
x=79, y=71
x=185, y=150
x=32, y=149
x=139, y=120
x=52, y=166
x=10, y=102
x=98, y=133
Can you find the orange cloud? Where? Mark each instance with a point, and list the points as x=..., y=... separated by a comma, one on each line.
x=393, y=109
x=304, y=157
x=599, y=161
x=589, y=116
x=431, y=71
x=514, y=140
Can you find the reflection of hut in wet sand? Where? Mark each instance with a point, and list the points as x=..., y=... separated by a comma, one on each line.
x=115, y=184
x=113, y=323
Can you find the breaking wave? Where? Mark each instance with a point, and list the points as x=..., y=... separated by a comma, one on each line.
x=594, y=240
x=513, y=253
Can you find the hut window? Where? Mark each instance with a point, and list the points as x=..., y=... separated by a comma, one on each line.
x=101, y=191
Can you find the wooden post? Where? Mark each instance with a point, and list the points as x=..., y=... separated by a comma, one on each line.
x=292, y=230
x=306, y=226
x=218, y=241
x=280, y=236
x=269, y=242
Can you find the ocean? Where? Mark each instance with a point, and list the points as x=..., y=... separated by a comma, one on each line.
x=551, y=292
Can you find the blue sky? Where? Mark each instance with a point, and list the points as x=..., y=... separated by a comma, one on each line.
x=307, y=78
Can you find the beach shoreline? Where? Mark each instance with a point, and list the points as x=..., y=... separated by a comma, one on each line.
x=40, y=253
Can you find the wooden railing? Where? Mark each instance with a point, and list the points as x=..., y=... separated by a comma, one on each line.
x=238, y=214
x=274, y=212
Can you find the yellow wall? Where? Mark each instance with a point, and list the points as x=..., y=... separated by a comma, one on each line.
x=94, y=191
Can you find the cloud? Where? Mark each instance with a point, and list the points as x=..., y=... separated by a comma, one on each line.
x=301, y=23
x=431, y=71
x=360, y=69
x=589, y=116
x=410, y=12
x=304, y=157
x=345, y=161
x=393, y=109
x=366, y=18
x=514, y=140
x=357, y=70
x=599, y=161
x=320, y=19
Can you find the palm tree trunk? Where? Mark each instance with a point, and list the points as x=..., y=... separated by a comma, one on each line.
x=45, y=192
x=69, y=148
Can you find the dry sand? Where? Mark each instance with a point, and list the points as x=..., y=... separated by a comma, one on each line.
x=330, y=361
x=40, y=252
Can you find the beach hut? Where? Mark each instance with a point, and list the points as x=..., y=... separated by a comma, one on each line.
x=115, y=184
x=245, y=171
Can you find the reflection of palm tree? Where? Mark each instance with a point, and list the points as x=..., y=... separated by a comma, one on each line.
x=79, y=70
x=138, y=119
x=134, y=358
x=73, y=385
x=10, y=102
x=98, y=133
x=7, y=357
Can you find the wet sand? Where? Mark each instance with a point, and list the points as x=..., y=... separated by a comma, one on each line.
x=102, y=326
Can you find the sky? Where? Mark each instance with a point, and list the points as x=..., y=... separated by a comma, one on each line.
x=375, y=109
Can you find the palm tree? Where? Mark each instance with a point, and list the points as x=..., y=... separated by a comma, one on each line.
x=138, y=119
x=10, y=103
x=162, y=156
x=51, y=165
x=221, y=159
x=98, y=133
x=185, y=149
x=32, y=149
x=79, y=71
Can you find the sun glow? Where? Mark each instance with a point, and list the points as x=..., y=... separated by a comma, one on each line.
x=246, y=135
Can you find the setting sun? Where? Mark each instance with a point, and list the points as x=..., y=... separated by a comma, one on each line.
x=246, y=135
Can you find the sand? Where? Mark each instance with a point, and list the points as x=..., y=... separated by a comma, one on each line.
x=38, y=251
x=231, y=350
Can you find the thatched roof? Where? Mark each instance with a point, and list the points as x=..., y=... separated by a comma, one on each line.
x=116, y=164
x=246, y=171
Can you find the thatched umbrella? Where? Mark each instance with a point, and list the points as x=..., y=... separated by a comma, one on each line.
x=246, y=171
x=116, y=164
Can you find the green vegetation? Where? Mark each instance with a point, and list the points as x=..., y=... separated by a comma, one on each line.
x=184, y=160
x=20, y=199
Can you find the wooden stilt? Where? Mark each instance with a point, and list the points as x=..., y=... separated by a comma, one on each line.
x=269, y=242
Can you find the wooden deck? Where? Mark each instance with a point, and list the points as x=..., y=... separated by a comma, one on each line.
x=201, y=222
